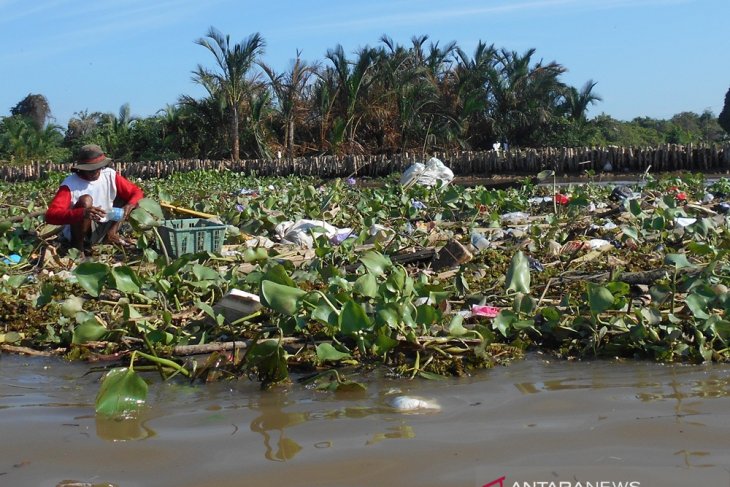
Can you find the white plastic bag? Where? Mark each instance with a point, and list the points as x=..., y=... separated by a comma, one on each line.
x=299, y=233
x=427, y=175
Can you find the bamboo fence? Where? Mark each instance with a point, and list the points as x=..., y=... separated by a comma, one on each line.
x=564, y=161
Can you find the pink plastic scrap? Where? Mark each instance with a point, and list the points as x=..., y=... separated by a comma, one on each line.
x=483, y=310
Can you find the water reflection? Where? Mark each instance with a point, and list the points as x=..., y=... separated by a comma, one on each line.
x=274, y=424
x=126, y=429
x=274, y=420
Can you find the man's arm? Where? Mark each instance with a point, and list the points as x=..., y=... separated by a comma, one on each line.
x=60, y=212
x=129, y=192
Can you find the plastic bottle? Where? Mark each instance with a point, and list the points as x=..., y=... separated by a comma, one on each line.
x=115, y=214
x=479, y=241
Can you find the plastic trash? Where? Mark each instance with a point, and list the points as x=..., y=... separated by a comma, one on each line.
x=412, y=403
x=598, y=243
x=12, y=259
x=620, y=193
x=426, y=174
x=562, y=199
x=479, y=241
x=515, y=216
x=538, y=200
x=484, y=310
x=341, y=235
x=300, y=232
x=684, y=222
x=708, y=197
x=115, y=214
x=535, y=265
x=722, y=207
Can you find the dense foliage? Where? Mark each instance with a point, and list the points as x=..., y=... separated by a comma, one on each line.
x=583, y=272
x=382, y=99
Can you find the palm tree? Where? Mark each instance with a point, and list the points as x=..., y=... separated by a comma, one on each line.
x=289, y=88
x=471, y=91
x=575, y=103
x=234, y=63
x=524, y=97
x=353, y=80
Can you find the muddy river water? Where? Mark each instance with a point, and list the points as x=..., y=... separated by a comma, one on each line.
x=536, y=422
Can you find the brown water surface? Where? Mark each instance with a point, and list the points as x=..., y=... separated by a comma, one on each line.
x=535, y=420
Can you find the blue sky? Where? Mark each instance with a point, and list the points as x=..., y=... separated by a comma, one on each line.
x=650, y=58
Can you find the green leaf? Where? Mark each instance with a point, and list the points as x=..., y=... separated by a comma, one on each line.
x=518, y=274
x=456, y=327
x=152, y=207
x=679, y=261
x=278, y=274
x=388, y=316
x=281, y=298
x=375, y=262
x=91, y=276
x=427, y=314
x=599, y=298
x=326, y=352
x=635, y=207
x=88, y=331
x=353, y=318
x=384, y=344
x=503, y=321
x=325, y=314
x=122, y=392
x=630, y=232
x=205, y=273
x=143, y=218
x=366, y=285
x=125, y=279
x=697, y=303
x=524, y=304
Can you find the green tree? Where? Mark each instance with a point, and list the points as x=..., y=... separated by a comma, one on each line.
x=231, y=79
x=724, y=118
x=35, y=108
x=289, y=88
x=576, y=102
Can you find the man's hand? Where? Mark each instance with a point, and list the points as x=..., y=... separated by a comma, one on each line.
x=94, y=213
x=127, y=210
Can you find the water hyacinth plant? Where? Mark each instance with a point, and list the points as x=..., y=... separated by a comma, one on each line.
x=639, y=277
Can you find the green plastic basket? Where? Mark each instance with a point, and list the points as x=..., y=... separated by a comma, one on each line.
x=191, y=235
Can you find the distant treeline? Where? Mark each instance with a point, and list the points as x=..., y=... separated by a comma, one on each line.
x=384, y=99
x=701, y=158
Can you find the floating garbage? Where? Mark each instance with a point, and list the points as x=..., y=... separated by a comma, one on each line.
x=598, y=243
x=538, y=200
x=684, y=222
x=479, y=241
x=484, y=310
x=12, y=259
x=707, y=198
x=562, y=199
x=535, y=265
x=722, y=207
x=412, y=403
x=300, y=232
x=515, y=216
x=427, y=174
x=621, y=193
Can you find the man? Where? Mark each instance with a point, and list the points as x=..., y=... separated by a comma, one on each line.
x=87, y=195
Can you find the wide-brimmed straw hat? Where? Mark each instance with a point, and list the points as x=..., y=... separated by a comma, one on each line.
x=91, y=158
